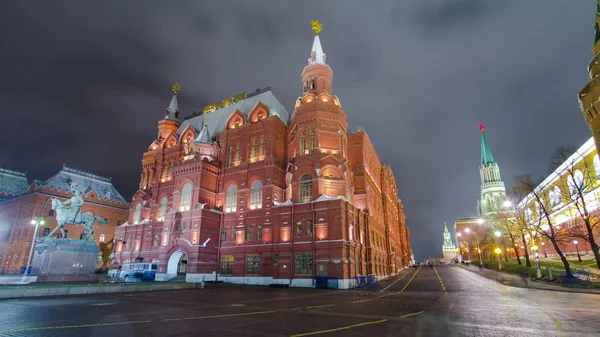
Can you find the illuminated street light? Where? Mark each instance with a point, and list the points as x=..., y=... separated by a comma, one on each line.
x=480, y=221
x=36, y=222
x=467, y=230
x=507, y=203
x=577, y=248
x=498, y=251
x=498, y=234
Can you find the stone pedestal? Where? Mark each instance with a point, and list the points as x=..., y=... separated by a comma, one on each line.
x=65, y=260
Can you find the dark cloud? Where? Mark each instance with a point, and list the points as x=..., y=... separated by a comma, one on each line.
x=84, y=83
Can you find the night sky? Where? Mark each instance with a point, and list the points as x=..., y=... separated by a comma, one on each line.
x=84, y=83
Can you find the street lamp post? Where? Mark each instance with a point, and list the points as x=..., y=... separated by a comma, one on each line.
x=577, y=248
x=498, y=251
x=537, y=261
x=36, y=222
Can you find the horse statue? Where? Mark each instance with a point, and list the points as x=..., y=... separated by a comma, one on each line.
x=73, y=216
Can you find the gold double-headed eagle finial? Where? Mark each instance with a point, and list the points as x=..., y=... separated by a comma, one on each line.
x=316, y=26
x=176, y=88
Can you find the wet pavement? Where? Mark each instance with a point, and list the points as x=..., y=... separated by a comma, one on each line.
x=440, y=301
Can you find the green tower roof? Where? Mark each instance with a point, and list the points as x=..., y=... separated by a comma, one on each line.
x=486, y=153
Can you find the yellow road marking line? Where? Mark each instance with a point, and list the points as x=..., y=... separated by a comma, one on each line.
x=319, y=306
x=413, y=314
x=339, y=329
x=407, y=283
x=386, y=288
x=359, y=301
x=75, y=326
x=219, y=316
x=558, y=324
x=442, y=283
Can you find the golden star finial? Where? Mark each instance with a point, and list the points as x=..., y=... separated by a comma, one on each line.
x=316, y=26
x=176, y=88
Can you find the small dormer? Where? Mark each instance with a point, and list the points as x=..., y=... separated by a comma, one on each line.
x=258, y=113
x=235, y=120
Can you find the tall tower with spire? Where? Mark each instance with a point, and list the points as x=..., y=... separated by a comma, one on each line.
x=589, y=96
x=448, y=248
x=317, y=136
x=493, y=192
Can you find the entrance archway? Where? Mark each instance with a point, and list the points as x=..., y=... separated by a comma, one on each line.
x=177, y=263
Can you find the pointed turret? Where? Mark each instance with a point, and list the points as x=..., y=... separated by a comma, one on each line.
x=493, y=192
x=317, y=75
x=203, y=136
x=170, y=123
x=173, y=109
x=486, y=153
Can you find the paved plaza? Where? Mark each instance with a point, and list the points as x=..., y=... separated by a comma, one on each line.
x=428, y=301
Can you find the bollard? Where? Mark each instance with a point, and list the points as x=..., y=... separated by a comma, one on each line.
x=202, y=284
x=549, y=271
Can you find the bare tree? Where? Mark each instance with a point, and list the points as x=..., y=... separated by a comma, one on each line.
x=575, y=192
x=505, y=221
x=525, y=185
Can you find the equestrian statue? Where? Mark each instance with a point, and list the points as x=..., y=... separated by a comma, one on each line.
x=73, y=216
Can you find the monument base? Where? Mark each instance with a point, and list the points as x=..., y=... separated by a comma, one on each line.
x=65, y=260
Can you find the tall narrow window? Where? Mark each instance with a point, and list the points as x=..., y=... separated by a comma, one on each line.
x=254, y=151
x=238, y=157
x=259, y=232
x=224, y=235
x=263, y=148
x=137, y=214
x=230, y=154
x=256, y=195
x=302, y=143
x=162, y=209
x=249, y=233
x=233, y=234
x=306, y=188
x=298, y=229
x=309, y=227
x=311, y=141
x=253, y=264
x=304, y=263
x=227, y=264
x=231, y=203
x=186, y=198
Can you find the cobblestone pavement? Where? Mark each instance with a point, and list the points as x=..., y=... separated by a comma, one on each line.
x=440, y=301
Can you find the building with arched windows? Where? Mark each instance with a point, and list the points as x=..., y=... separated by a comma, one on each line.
x=21, y=201
x=257, y=196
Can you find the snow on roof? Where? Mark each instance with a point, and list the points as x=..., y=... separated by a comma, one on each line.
x=70, y=179
x=12, y=183
x=216, y=121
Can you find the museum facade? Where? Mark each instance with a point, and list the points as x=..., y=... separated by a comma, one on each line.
x=244, y=192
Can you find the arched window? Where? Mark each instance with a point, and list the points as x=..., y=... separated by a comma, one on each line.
x=302, y=143
x=102, y=238
x=306, y=188
x=256, y=195
x=555, y=197
x=311, y=141
x=597, y=166
x=249, y=233
x=528, y=215
x=137, y=214
x=162, y=209
x=263, y=148
x=186, y=198
x=231, y=204
x=238, y=156
x=576, y=183
x=230, y=154
x=254, y=151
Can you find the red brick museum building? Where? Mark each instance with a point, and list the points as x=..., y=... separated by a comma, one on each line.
x=257, y=196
